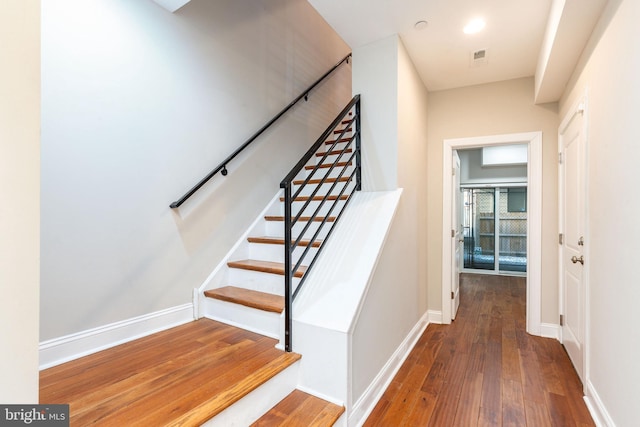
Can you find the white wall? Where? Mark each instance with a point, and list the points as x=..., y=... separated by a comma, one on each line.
x=375, y=78
x=413, y=171
x=397, y=297
x=20, y=207
x=494, y=109
x=609, y=71
x=137, y=105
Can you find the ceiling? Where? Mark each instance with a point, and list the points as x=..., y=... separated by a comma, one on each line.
x=522, y=38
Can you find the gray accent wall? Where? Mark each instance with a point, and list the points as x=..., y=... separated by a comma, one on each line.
x=138, y=104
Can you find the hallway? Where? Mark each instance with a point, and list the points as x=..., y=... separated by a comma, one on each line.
x=484, y=369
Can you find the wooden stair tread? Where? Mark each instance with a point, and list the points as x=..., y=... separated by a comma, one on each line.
x=301, y=409
x=335, y=152
x=181, y=376
x=338, y=141
x=319, y=180
x=326, y=165
x=280, y=241
x=336, y=132
x=249, y=298
x=265, y=266
x=302, y=218
x=318, y=198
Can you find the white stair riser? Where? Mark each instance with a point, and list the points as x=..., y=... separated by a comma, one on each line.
x=275, y=253
x=276, y=229
x=344, y=157
x=333, y=173
x=340, y=145
x=324, y=188
x=312, y=206
x=254, y=320
x=258, y=281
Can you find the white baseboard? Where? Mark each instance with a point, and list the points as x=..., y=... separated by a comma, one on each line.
x=59, y=350
x=434, y=316
x=363, y=407
x=597, y=409
x=549, y=330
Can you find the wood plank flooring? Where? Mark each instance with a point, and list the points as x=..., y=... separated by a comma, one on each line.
x=484, y=369
x=182, y=376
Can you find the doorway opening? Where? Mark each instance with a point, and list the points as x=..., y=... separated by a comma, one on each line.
x=450, y=267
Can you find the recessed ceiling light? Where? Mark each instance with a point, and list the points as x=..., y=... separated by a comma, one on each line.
x=474, y=26
x=420, y=25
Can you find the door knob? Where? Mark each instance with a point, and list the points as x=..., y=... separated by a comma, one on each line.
x=575, y=259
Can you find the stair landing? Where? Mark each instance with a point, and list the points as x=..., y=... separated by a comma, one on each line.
x=183, y=376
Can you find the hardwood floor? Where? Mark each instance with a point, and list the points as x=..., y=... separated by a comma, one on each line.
x=484, y=369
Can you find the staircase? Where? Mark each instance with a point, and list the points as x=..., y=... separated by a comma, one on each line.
x=249, y=289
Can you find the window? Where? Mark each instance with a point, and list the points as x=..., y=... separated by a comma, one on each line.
x=517, y=200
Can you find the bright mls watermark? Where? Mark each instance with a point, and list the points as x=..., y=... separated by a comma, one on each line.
x=34, y=415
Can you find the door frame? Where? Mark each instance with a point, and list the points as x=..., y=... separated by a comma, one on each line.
x=534, y=221
x=578, y=107
x=457, y=246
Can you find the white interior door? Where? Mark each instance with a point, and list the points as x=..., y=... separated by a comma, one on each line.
x=457, y=235
x=572, y=225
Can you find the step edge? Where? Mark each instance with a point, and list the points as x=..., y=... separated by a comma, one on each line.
x=209, y=410
x=276, y=268
x=273, y=240
x=326, y=417
x=211, y=293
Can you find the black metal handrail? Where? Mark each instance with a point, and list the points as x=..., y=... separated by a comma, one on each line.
x=343, y=175
x=222, y=167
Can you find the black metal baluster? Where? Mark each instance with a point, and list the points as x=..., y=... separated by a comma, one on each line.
x=358, y=149
x=288, y=273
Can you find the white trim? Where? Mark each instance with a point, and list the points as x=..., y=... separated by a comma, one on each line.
x=495, y=182
x=363, y=407
x=550, y=330
x=59, y=350
x=579, y=107
x=534, y=223
x=596, y=408
x=434, y=316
